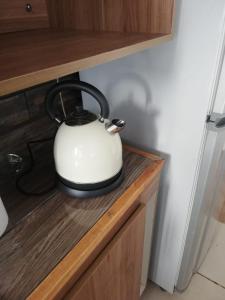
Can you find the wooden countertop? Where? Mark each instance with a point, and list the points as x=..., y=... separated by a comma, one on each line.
x=43, y=251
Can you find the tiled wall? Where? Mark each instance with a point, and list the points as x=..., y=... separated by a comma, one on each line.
x=23, y=118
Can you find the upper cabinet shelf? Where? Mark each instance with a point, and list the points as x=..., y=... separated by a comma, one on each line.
x=28, y=59
x=81, y=34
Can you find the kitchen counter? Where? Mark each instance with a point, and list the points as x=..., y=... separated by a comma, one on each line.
x=37, y=244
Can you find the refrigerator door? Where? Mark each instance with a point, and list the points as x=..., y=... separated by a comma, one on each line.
x=213, y=222
x=203, y=222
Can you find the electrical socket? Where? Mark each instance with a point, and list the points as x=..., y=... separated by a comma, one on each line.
x=15, y=161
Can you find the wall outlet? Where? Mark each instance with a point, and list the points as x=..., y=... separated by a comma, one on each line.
x=15, y=161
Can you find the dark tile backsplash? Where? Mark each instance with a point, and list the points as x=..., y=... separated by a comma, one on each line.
x=23, y=118
x=13, y=111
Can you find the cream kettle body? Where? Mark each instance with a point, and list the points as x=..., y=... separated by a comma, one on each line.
x=85, y=154
x=87, y=148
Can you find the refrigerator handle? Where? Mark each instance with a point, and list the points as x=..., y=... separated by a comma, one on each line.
x=216, y=122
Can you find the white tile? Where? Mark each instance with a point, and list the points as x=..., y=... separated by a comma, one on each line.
x=214, y=264
x=199, y=289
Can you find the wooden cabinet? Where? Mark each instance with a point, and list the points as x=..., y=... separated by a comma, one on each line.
x=116, y=273
x=111, y=261
x=21, y=15
x=81, y=34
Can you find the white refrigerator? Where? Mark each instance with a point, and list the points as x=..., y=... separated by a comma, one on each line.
x=209, y=191
x=167, y=94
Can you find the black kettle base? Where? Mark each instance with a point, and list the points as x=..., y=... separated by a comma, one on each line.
x=91, y=193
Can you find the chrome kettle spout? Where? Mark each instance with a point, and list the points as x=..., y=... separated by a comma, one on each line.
x=115, y=126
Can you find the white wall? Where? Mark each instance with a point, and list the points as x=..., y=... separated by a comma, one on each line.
x=163, y=94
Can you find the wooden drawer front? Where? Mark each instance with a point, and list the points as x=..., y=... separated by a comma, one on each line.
x=116, y=273
x=15, y=17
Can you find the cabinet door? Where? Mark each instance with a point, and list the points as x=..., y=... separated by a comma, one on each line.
x=19, y=15
x=116, y=273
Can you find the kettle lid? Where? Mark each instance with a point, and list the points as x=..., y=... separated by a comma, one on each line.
x=80, y=117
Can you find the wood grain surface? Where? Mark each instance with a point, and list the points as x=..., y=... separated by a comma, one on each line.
x=116, y=273
x=145, y=16
x=87, y=33
x=30, y=251
x=14, y=17
x=31, y=58
x=79, y=14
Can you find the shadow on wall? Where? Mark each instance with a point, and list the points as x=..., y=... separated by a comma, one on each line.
x=131, y=100
x=130, y=85
x=134, y=104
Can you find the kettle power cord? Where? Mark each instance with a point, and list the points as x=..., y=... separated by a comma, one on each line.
x=30, y=169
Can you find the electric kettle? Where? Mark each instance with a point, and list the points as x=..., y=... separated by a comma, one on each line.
x=87, y=147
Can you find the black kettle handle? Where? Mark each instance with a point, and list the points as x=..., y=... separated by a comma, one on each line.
x=75, y=85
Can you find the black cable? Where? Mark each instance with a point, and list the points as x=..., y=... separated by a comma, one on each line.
x=30, y=169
